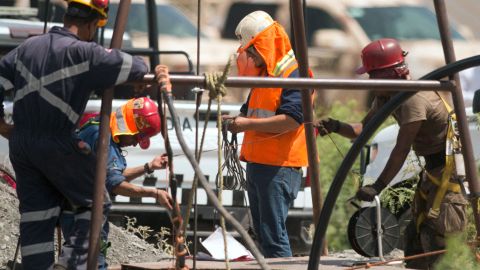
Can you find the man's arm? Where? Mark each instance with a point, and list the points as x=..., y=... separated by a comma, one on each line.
x=159, y=162
x=348, y=130
x=406, y=136
x=7, y=65
x=276, y=124
x=130, y=190
x=5, y=129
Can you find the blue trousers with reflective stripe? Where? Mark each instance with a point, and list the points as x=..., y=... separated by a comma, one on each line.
x=51, y=170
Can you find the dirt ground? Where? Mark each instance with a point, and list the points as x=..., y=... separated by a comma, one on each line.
x=126, y=247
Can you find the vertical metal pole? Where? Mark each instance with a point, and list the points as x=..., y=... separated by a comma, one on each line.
x=302, y=58
x=47, y=14
x=152, y=32
x=103, y=140
x=467, y=148
x=378, y=216
x=198, y=98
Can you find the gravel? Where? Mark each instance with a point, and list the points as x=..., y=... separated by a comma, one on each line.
x=126, y=247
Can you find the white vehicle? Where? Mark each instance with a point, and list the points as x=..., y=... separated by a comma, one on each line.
x=383, y=143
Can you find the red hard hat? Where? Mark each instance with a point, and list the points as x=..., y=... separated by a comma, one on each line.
x=147, y=120
x=380, y=54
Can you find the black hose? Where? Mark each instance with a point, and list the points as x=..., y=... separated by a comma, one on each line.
x=210, y=194
x=357, y=146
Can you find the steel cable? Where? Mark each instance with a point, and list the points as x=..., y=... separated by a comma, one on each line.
x=235, y=173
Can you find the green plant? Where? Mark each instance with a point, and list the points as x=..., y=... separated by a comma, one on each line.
x=141, y=231
x=458, y=256
x=162, y=238
x=163, y=241
x=397, y=198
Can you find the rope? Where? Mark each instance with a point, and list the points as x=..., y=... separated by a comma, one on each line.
x=220, y=174
x=239, y=144
x=198, y=157
x=215, y=83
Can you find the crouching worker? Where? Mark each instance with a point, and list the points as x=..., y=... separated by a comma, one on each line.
x=131, y=124
x=425, y=124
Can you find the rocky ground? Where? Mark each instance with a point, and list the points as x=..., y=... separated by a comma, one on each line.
x=126, y=247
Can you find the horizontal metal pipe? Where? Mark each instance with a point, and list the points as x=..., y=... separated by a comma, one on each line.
x=308, y=83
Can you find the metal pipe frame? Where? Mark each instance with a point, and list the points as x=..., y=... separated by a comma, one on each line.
x=311, y=83
x=302, y=59
x=407, y=89
x=103, y=141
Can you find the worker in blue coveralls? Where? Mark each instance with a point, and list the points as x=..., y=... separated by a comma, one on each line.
x=52, y=76
x=132, y=123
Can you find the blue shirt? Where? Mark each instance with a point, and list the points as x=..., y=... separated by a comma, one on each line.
x=116, y=161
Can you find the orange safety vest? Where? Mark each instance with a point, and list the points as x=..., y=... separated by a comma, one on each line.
x=122, y=121
x=286, y=149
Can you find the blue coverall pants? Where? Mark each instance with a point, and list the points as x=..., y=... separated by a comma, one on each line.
x=50, y=170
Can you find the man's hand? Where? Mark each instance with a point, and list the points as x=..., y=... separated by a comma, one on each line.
x=235, y=124
x=164, y=199
x=327, y=126
x=368, y=192
x=163, y=77
x=159, y=162
x=5, y=129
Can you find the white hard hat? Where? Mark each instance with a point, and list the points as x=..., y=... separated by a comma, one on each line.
x=251, y=25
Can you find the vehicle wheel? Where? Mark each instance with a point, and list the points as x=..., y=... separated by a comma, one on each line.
x=362, y=232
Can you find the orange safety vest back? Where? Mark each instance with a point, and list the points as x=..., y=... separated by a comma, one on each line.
x=122, y=121
x=286, y=149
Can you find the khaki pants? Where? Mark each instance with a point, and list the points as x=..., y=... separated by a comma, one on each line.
x=432, y=231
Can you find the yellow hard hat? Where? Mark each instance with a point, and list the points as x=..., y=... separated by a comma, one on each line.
x=251, y=25
x=100, y=6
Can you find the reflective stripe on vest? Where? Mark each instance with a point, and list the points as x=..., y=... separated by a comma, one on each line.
x=125, y=69
x=122, y=121
x=38, y=85
x=286, y=149
x=5, y=83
